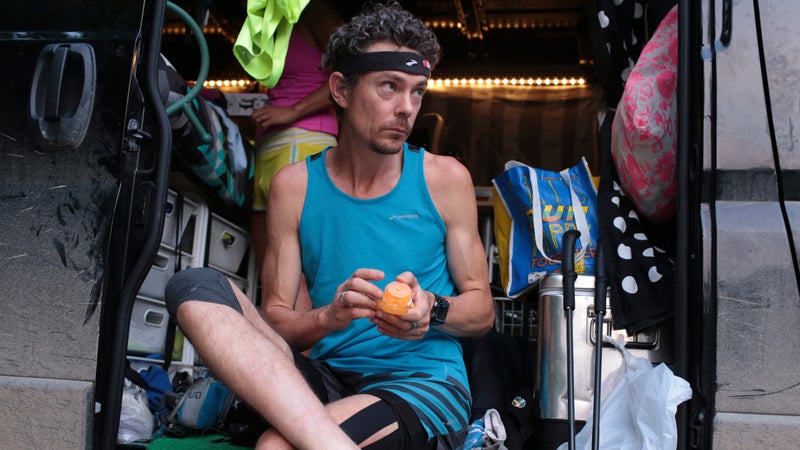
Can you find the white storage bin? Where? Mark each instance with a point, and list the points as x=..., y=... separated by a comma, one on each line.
x=199, y=228
x=162, y=269
x=227, y=245
x=148, y=329
x=149, y=318
x=176, y=219
x=249, y=283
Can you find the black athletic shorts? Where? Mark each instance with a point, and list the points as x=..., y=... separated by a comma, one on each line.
x=328, y=384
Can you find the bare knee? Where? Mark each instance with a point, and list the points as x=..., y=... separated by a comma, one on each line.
x=272, y=440
x=199, y=283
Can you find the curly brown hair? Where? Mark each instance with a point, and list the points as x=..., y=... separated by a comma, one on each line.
x=386, y=21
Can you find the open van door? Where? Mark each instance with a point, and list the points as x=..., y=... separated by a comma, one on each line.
x=745, y=350
x=84, y=147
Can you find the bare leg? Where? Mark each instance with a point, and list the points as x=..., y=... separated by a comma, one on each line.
x=341, y=410
x=257, y=364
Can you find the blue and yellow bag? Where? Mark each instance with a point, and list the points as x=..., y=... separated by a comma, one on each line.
x=532, y=210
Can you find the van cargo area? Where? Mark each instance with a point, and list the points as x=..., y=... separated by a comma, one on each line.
x=100, y=206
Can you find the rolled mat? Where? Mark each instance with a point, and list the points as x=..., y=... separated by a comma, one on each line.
x=194, y=442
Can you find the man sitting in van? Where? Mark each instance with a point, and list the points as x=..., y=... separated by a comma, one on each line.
x=351, y=219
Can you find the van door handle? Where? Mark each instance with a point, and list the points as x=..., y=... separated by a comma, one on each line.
x=62, y=95
x=727, y=23
x=55, y=77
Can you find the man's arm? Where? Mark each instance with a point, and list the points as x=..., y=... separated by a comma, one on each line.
x=471, y=312
x=269, y=114
x=297, y=324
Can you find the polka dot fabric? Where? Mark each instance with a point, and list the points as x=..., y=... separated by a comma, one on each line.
x=620, y=34
x=619, y=30
x=640, y=274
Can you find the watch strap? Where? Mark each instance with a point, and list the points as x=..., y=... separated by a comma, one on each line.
x=439, y=311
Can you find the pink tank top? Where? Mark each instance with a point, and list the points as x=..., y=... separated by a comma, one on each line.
x=301, y=76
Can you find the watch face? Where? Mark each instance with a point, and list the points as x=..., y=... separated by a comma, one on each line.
x=439, y=311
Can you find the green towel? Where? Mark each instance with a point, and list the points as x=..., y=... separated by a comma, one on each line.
x=194, y=442
x=263, y=41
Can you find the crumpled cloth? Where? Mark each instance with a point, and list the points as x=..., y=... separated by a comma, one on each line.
x=263, y=41
x=233, y=140
x=486, y=433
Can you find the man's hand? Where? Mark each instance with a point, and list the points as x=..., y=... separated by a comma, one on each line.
x=269, y=115
x=415, y=323
x=356, y=298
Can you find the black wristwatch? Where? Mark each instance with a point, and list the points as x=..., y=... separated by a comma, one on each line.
x=439, y=310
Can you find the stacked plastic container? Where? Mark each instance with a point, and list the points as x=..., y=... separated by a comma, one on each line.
x=183, y=245
x=229, y=251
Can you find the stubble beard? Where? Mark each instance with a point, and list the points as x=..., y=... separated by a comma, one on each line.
x=391, y=149
x=385, y=149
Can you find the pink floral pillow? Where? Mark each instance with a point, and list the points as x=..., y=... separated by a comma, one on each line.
x=643, y=139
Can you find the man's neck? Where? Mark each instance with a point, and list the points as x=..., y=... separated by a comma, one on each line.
x=363, y=173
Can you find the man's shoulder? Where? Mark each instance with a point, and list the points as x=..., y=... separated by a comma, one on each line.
x=449, y=184
x=290, y=177
x=444, y=166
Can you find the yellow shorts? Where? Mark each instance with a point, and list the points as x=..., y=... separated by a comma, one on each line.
x=280, y=148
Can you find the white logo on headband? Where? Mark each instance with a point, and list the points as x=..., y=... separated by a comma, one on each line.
x=411, y=62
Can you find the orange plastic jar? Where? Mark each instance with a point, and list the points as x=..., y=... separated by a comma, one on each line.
x=397, y=298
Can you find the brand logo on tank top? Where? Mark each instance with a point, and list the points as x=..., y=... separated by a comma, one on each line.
x=405, y=216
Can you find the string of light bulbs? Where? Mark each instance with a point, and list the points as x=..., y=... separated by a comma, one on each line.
x=542, y=82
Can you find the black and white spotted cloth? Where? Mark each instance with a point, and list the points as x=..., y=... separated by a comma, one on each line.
x=619, y=30
x=641, y=274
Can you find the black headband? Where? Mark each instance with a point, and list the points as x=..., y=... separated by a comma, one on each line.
x=408, y=62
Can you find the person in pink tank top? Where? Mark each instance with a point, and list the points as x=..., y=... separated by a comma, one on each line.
x=298, y=120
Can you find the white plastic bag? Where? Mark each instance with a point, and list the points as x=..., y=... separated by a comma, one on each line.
x=136, y=422
x=637, y=407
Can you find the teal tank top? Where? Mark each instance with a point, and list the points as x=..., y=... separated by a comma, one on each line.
x=401, y=230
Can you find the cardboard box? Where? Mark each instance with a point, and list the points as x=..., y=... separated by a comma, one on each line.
x=243, y=105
